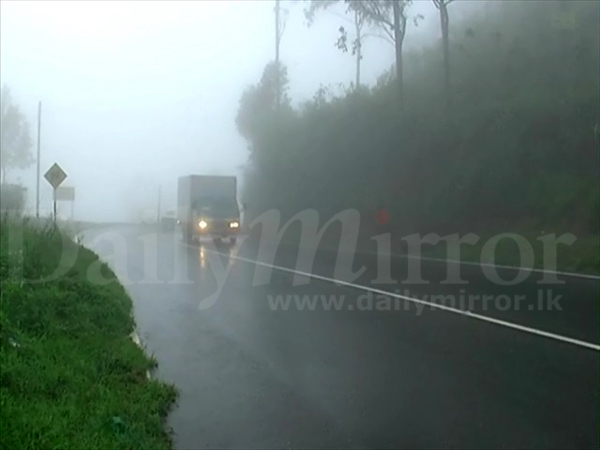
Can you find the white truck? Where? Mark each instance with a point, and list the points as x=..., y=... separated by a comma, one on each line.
x=207, y=206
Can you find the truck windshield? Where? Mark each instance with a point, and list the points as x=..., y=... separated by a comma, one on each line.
x=220, y=208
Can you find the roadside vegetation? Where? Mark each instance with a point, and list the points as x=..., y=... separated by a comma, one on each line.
x=495, y=131
x=70, y=375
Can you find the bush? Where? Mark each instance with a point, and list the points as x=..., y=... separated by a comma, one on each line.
x=12, y=198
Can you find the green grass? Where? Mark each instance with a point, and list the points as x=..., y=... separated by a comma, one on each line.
x=583, y=256
x=70, y=376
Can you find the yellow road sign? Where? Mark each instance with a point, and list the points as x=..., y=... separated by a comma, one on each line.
x=55, y=175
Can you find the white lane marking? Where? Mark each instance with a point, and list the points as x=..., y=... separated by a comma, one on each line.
x=504, y=323
x=479, y=264
x=499, y=266
x=472, y=263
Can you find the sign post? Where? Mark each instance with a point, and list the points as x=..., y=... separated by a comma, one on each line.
x=66, y=194
x=55, y=176
x=37, y=179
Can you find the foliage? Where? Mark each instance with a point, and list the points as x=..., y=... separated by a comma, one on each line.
x=12, y=198
x=258, y=105
x=389, y=16
x=15, y=139
x=516, y=151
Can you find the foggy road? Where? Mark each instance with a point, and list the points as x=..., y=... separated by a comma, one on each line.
x=343, y=372
x=434, y=128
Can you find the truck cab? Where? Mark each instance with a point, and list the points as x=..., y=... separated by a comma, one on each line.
x=217, y=218
x=208, y=207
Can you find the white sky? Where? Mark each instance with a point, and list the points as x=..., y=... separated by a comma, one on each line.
x=136, y=94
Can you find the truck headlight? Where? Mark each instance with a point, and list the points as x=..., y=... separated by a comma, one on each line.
x=234, y=225
x=202, y=224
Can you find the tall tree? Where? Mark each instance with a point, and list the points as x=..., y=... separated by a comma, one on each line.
x=260, y=103
x=442, y=6
x=391, y=17
x=279, y=29
x=358, y=21
x=15, y=139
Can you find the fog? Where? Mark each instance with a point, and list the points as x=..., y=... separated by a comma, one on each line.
x=136, y=94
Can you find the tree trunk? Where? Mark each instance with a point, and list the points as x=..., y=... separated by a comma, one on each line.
x=399, y=31
x=444, y=19
x=357, y=28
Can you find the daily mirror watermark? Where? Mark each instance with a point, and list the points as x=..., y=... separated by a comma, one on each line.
x=137, y=256
x=407, y=301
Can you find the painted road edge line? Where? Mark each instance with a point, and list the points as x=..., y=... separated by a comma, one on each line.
x=481, y=264
x=472, y=263
x=504, y=323
x=500, y=266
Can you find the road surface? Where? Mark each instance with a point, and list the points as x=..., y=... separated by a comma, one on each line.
x=348, y=372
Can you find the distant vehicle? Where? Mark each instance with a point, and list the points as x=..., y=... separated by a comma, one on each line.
x=168, y=220
x=207, y=206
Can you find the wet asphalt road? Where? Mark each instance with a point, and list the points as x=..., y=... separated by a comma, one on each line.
x=251, y=375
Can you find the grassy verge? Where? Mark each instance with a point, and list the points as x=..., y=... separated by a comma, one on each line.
x=583, y=256
x=70, y=376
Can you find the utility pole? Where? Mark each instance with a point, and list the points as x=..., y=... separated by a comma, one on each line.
x=277, y=40
x=37, y=189
x=158, y=207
